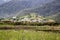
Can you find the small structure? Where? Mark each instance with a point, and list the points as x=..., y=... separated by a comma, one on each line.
x=14, y=19
x=51, y=21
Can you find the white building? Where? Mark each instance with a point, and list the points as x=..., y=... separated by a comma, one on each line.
x=25, y=19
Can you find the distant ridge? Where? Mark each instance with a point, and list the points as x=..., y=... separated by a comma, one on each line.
x=12, y=7
x=44, y=10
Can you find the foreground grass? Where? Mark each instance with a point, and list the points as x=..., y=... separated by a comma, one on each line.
x=28, y=35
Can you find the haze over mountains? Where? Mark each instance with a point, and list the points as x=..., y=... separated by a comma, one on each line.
x=24, y=7
x=11, y=8
x=4, y=1
x=46, y=9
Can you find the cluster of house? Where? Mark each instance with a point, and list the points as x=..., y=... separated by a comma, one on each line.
x=33, y=18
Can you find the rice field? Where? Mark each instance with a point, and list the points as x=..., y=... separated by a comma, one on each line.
x=28, y=35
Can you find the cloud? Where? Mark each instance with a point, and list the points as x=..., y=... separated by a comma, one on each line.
x=6, y=0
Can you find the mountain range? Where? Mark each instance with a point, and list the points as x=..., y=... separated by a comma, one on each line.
x=49, y=10
x=19, y=8
x=12, y=7
x=44, y=10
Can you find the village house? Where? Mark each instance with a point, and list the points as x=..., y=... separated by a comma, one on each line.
x=14, y=19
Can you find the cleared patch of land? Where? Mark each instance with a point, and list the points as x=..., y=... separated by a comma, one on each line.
x=27, y=27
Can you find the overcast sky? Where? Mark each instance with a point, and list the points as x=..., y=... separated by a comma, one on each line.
x=4, y=1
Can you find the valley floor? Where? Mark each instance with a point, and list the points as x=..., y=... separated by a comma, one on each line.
x=26, y=32
x=28, y=27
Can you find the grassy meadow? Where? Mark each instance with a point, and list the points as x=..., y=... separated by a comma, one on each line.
x=28, y=32
x=28, y=35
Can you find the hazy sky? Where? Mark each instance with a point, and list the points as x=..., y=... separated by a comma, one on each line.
x=4, y=1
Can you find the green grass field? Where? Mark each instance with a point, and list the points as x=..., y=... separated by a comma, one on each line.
x=28, y=35
x=31, y=34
